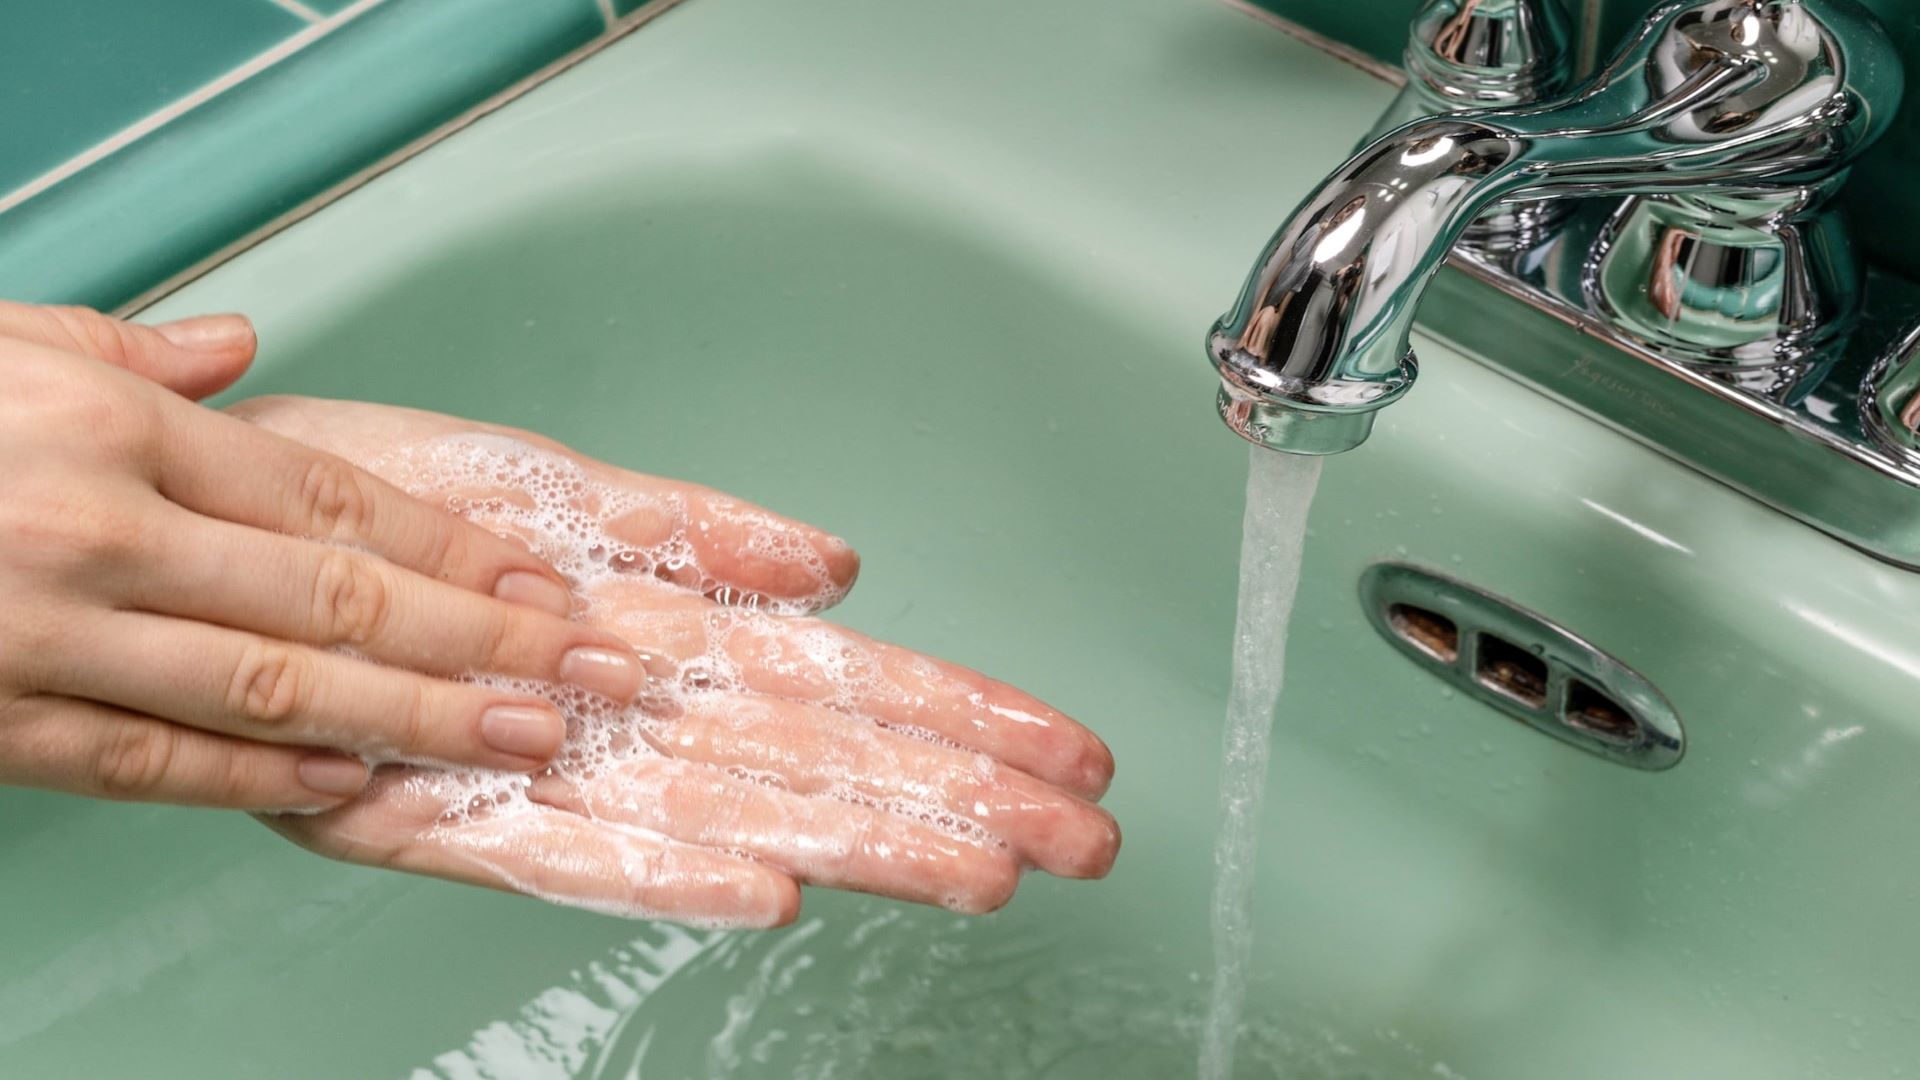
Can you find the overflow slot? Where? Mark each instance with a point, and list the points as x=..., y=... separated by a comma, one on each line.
x=1590, y=710
x=1511, y=670
x=1520, y=664
x=1429, y=630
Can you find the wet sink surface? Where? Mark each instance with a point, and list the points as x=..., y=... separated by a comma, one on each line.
x=958, y=323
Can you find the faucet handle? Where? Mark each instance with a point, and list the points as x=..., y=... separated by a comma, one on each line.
x=1747, y=95
x=1483, y=54
x=1758, y=289
x=1791, y=89
x=1890, y=398
x=1463, y=55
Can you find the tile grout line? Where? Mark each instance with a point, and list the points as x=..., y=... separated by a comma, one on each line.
x=626, y=24
x=180, y=106
x=295, y=7
x=1339, y=50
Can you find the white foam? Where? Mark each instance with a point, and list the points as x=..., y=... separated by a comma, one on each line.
x=572, y=520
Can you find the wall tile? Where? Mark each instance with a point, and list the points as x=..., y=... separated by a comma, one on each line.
x=167, y=201
x=1882, y=197
x=1376, y=27
x=73, y=73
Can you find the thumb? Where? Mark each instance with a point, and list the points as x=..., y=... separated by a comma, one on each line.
x=196, y=357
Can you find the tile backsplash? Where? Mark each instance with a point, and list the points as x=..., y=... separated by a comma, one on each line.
x=72, y=74
x=139, y=137
x=1881, y=198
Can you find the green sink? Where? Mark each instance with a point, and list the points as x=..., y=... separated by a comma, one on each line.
x=935, y=276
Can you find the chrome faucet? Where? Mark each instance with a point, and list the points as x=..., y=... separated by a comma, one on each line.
x=1730, y=107
x=1464, y=55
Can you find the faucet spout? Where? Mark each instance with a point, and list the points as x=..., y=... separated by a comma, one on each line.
x=1728, y=94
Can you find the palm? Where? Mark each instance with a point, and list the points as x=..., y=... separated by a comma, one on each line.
x=769, y=748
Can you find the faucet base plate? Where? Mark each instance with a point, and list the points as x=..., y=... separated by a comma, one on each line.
x=1798, y=445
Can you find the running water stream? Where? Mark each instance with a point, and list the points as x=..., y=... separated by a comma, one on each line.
x=1279, y=492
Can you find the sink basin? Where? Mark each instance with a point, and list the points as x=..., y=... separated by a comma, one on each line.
x=935, y=277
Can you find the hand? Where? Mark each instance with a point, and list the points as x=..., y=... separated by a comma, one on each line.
x=196, y=610
x=768, y=747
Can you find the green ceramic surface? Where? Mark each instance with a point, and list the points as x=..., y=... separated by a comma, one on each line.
x=825, y=257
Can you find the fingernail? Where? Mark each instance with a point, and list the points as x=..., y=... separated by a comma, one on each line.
x=210, y=333
x=528, y=589
x=610, y=674
x=332, y=774
x=523, y=731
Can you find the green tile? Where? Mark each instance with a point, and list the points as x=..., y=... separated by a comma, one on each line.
x=73, y=73
x=169, y=200
x=627, y=7
x=328, y=7
x=1882, y=198
x=1376, y=27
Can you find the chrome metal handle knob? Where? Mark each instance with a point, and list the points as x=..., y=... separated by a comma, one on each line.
x=1744, y=94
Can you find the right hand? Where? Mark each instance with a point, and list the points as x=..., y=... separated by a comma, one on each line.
x=180, y=589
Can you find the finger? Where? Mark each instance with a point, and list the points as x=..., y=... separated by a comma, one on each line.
x=817, y=841
x=693, y=536
x=226, y=468
x=812, y=751
x=555, y=856
x=297, y=590
x=196, y=357
x=97, y=750
x=257, y=688
x=817, y=662
x=741, y=554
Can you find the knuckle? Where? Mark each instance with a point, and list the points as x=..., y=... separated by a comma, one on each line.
x=133, y=761
x=35, y=651
x=82, y=325
x=59, y=526
x=126, y=430
x=118, y=423
x=415, y=722
x=228, y=781
x=271, y=685
x=100, y=335
x=334, y=498
x=107, y=538
x=352, y=599
x=500, y=639
x=450, y=547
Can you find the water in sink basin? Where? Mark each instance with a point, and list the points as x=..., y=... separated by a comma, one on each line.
x=234, y=942
x=1444, y=873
